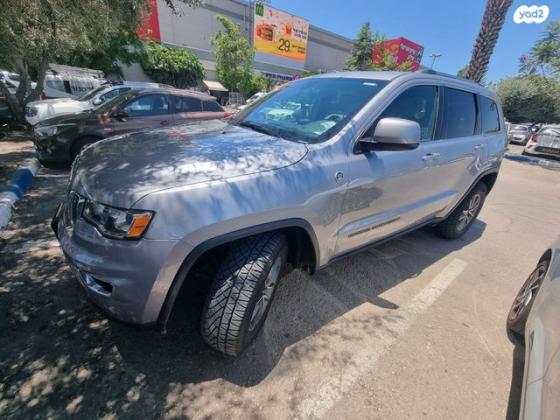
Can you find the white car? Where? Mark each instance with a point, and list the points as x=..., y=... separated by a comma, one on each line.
x=11, y=80
x=37, y=111
x=534, y=318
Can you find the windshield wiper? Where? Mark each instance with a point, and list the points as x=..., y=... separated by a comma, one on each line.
x=256, y=127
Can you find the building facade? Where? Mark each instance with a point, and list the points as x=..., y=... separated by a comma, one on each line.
x=192, y=28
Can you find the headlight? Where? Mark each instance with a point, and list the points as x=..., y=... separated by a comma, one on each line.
x=116, y=223
x=51, y=130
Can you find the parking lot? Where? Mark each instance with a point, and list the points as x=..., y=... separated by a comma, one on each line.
x=413, y=328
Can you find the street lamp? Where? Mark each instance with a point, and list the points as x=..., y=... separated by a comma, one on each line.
x=433, y=56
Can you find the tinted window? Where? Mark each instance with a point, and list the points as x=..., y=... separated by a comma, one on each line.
x=416, y=104
x=310, y=110
x=211, y=106
x=489, y=116
x=460, y=114
x=147, y=105
x=187, y=104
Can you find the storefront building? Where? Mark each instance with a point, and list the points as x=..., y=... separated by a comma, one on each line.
x=285, y=45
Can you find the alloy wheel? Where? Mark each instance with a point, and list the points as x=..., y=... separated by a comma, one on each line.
x=469, y=213
x=266, y=295
x=528, y=291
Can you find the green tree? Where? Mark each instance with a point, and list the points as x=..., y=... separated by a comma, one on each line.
x=34, y=33
x=530, y=98
x=492, y=22
x=368, y=42
x=360, y=57
x=545, y=55
x=234, y=57
x=174, y=66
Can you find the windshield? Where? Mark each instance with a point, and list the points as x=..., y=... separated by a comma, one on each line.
x=519, y=128
x=309, y=110
x=91, y=93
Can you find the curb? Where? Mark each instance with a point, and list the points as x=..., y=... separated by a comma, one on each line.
x=15, y=189
x=533, y=160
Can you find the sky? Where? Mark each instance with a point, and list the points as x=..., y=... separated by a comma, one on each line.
x=448, y=27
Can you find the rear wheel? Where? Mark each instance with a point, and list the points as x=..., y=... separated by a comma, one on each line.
x=79, y=144
x=461, y=219
x=519, y=312
x=242, y=290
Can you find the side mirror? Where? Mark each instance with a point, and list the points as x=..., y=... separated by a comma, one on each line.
x=393, y=134
x=97, y=101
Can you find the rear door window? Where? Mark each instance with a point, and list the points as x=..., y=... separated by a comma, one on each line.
x=147, y=105
x=187, y=104
x=460, y=114
x=489, y=117
x=211, y=106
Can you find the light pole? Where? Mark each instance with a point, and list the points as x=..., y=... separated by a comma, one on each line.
x=433, y=56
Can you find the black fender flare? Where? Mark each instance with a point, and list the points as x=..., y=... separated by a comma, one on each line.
x=200, y=249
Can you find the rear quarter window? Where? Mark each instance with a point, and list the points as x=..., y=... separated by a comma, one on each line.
x=460, y=114
x=489, y=116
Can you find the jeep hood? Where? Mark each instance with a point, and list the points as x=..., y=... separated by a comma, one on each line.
x=120, y=170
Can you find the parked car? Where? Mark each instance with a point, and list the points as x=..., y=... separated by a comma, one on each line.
x=363, y=157
x=521, y=133
x=534, y=317
x=545, y=143
x=37, y=111
x=60, y=139
x=11, y=80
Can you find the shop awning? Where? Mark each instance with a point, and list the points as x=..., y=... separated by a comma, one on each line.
x=216, y=86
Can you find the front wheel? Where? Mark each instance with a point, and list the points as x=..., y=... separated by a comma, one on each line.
x=461, y=219
x=519, y=312
x=242, y=290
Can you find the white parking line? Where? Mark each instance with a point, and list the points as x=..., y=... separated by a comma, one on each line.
x=334, y=388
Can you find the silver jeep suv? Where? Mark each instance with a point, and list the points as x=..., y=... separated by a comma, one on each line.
x=319, y=169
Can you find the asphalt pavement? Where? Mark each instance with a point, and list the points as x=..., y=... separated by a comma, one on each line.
x=414, y=328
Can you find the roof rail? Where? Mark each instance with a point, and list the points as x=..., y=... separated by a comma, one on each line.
x=451, y=76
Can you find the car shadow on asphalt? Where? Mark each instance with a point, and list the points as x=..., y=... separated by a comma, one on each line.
x=303, y=305
x=517, y=371
x=59, y=354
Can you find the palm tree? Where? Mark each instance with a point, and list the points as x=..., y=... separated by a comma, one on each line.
x=492, y=22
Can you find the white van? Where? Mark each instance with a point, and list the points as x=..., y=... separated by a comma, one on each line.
x=70, y=82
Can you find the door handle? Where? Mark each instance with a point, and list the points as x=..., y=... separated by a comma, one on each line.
x=431, y=156
x=164, y=122
x=479, y=146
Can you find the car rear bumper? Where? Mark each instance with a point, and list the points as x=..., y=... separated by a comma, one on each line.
x=542, y=152
x=118, y=276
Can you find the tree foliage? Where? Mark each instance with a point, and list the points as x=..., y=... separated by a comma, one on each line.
x=174, y=66
x=365, y=44
x=234, y=57
x=530, y=98
x=360, y=57
x=492, y=22
x=544, y=57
